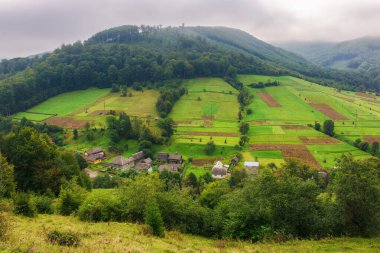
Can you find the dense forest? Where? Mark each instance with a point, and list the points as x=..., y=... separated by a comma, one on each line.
x=145, y=55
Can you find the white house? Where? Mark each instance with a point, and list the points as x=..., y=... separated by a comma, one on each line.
x=219, y=171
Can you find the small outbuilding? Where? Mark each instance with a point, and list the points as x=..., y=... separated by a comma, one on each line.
x=219, y=171
x=252, y=168
x=162, y=157
x=175, y=159
x=169, y=167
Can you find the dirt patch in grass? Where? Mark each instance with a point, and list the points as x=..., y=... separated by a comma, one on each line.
x=294, y=127
x=289, y=151
x=184, y=122
x=372, y=139
x=365, y=95
x=328, y=111
x=268, y=99
x=260, y=122
x=203, y=161
x=208, y=123
x=346, y=99
x=67, y=122
x=99, y=112
x=206, y=117
x=324, y=140
x=209, y=134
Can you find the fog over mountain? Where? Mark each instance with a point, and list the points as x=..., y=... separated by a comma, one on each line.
x=32, y=27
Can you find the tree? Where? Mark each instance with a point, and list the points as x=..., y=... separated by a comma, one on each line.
x=244, y=128
x=363, y=145
x=357, y=196
x=153, y=218
x=375, y=147
x=75, y=134
x=7, y=182
x=328, y=127
x=166, y=126
x=191, y=180
x=210, y=148
x=317, y=126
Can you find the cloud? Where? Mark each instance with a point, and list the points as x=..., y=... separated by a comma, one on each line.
x=34, y=26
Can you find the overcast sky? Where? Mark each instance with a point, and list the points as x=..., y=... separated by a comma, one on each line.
x=33, y=26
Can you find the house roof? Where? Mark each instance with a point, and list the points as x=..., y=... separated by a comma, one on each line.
x=94, y=151
x=138, y=155
x=251, y=164
x=94, y=157
x=235, y=159
x=162, y=155
x=121, y=161
x=216, y=171
x=169, y=167
x=218, y=164
x=175, y=157
x=143, y=166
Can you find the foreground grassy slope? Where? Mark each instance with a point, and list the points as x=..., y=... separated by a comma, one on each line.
x=29, y=235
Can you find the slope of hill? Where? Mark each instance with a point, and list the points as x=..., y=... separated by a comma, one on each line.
x=30, y=235
x=361, y=55
x=130, y=54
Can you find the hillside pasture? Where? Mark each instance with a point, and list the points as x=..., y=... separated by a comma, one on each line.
x=285, y=129
x=63, y=104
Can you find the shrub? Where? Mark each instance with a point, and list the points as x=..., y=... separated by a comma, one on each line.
x=23, y=205
x=71, y=198
x=105, y=181
x=100, y=207
x=210, y=148
x=153, y=218
x=66, y=238
x=43, y=204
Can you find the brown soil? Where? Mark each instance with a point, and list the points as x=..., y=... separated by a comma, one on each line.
x=210, y=134
x=67, y=122
x=294, y=127
x=184, y=122
x=201, y=162
x=372, y=139
x=365, y=95
x=324, y=140
x=260, y=122
x=328, y=111
x=295, y=151
x=208, y=123
x=268, y=99
x=206, y=117
x=346, y=99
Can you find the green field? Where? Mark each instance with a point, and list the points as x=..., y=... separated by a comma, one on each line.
x=28, y=235
x=270, y=125
x=64, y=104
x=208, y=112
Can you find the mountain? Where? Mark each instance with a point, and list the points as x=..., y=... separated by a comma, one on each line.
x=152, y=54
x=361, y=55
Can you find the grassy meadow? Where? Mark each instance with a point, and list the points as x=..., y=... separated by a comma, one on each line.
x=30, y=235
x=288, y=124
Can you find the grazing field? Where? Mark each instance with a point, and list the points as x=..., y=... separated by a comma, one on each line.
x=209, y=112
x=284, y=129
x=30, y=235
x=63, y=104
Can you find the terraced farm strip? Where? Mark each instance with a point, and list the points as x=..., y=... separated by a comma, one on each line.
x=290, y=151
x=268, y=99
x=203, y=161
x=365, y=95
x=328, y=111
x=288, y=127
x=372, y=139
x=346, y=99
x=67, y=122
x=209, y=134
x=317, y=140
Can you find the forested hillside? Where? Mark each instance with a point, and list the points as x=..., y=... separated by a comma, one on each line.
x=129, y=54
x=360, y=55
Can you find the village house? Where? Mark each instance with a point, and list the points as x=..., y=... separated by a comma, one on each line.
x=175, y=159
x=122, y=163
x=94, y=156
x=162, y=157
x=145, y=164
x=219, y=171
x=252, y=168
x=169, y=167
